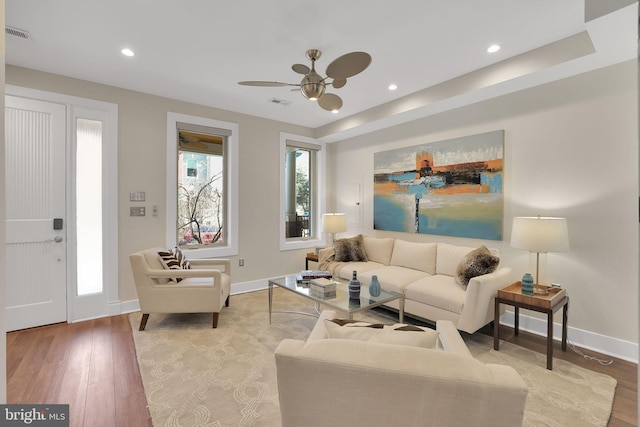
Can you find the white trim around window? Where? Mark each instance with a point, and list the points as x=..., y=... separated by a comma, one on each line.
x=319, y=204
x=232, y=164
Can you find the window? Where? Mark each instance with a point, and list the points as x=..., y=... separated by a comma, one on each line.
x=202, y=201
x=201, y=183
x=89, y=206
x=300, y=189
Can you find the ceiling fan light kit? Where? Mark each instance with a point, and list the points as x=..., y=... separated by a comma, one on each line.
x=313, y=86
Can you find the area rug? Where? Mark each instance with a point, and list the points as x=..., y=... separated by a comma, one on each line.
x=194, y=375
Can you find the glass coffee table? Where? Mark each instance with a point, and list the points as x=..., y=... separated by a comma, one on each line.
x=340, y=302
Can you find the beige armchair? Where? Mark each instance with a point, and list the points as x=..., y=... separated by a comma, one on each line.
x=343, y=382
x=204, y=288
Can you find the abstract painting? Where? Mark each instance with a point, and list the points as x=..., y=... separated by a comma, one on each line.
x=448, y=188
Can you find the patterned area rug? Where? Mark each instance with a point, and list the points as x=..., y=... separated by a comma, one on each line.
x=194, y=375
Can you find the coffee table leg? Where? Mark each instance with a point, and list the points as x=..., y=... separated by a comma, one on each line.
x=550, y=340
x=564, y=326
x=496, y=326
x=270, y=300
x=401, y=311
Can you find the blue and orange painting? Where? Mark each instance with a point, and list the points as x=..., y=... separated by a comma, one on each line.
x=448, y=188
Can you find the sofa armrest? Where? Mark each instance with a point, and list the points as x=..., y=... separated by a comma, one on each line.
x=479, y=299
x=325, y=256
x=215, y=275
x=211, y=263
x=319, y=331
x=449, y=338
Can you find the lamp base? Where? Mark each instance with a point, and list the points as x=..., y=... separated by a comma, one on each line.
x=540, y=290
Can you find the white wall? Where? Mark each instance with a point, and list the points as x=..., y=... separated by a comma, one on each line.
x=142, y=121
x=571, y=150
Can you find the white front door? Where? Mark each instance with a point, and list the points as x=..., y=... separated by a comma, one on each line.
x=35, y=156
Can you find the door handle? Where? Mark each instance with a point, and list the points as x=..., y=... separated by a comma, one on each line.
x=57, y=239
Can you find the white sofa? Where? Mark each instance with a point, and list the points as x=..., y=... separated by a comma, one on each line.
x=425, y=274
x=343, y=382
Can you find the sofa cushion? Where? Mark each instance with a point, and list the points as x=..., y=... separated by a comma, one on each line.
x=350, y=249
x=398, y=334
x=345, y=270
x=448, y=258
x=378, y=249
x=418, y=256
x=476, y=263
x=392, y=278
x=440, y=291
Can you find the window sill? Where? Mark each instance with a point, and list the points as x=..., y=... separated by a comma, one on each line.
x=300, y=244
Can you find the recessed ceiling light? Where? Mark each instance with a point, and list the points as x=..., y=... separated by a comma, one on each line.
x=393, y=86
x=493, y=48
x=127, y=52
x=335, y=111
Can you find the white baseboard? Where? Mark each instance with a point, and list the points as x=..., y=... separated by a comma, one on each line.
x=614, y=347
x=244, y=287
x=128, y=306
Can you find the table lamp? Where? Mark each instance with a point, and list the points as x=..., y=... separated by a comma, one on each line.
x=333, y=223
x=540, y=234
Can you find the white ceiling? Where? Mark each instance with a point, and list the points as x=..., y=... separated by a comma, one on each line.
x=197, y=50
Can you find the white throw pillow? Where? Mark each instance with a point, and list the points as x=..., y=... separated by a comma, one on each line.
x=398, y=334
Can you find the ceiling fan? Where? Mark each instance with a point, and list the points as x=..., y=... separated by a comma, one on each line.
x=313, y=85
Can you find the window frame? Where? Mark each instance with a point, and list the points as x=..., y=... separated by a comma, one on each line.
x=231, y=184
x=318, y=196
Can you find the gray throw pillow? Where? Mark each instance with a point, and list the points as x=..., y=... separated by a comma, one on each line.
x=476, y=263
x=350, y=250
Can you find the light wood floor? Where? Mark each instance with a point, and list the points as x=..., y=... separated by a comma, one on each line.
x=92, y=366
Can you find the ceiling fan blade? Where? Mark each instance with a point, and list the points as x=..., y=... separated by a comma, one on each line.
x=300, y=68
x=330, y=102
x=264, y=83
x=348, y=65
x=338, y=83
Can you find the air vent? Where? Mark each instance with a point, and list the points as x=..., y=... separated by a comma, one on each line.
x=16, y=32
x=280, y=101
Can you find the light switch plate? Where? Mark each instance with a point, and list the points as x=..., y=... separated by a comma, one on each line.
x=137, y=211
x=137, y=196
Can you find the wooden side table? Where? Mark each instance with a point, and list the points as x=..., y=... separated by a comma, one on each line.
x=550, y=303
x=310, y=257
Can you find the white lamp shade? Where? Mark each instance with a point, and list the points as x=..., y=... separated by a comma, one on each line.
x=334, y=223
x=540, y=234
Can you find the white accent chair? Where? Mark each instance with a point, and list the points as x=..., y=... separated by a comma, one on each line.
x=203, y=289
x=345, y=382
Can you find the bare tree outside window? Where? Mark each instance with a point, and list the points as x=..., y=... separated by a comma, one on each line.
x=200, y=194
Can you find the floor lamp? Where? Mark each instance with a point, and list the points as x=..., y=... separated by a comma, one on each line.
x=540, y=234
x=334, y=223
